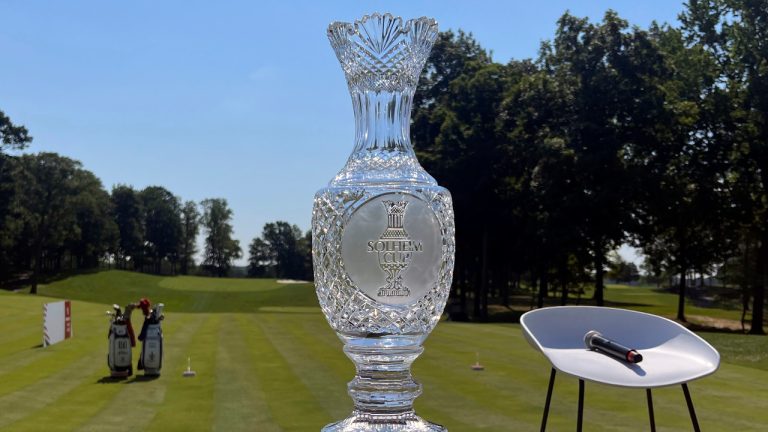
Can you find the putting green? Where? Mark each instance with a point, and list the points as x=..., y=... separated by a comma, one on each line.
x=266, y=360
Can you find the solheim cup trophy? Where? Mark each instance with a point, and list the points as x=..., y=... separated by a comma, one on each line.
x=382, y=230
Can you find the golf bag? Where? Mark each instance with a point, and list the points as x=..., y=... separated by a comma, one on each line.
x=119, y=356
x=151, y=336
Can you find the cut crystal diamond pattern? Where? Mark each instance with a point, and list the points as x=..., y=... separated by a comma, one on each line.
x=347, y=309
x=382, y=165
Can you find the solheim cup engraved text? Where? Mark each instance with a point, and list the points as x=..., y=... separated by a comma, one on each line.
x=394, y=250
x=389, y=245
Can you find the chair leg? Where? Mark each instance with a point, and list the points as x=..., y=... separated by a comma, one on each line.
x=549, y=398
x=581, y=406
x=691, y=411
x=650, y=410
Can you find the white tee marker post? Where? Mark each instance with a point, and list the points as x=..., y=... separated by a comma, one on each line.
x=189, y=372
x=57, y=322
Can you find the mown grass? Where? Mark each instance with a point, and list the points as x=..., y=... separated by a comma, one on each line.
x=266, y=360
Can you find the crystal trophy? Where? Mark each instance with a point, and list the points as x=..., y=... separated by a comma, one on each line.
x=382, y=230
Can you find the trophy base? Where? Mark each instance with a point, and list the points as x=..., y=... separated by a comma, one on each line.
x=374, y=423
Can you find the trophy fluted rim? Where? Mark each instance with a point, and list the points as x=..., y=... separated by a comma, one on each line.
x=353, y=28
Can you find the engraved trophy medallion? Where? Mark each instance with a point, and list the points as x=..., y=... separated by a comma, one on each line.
x=382, y=230
x=396, y=265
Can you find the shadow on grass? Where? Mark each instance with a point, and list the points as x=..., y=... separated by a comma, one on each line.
x=696, y=327
x=507, y=316
x=717, y=297
x=625, y=305
x=127, y=380
x=142, y=378
x=511, y=315
x=111, y=380
x=22, y=282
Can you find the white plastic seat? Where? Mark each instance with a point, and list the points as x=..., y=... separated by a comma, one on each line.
x=671, y=353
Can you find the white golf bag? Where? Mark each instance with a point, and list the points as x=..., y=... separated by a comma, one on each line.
x=119, y=357
x=152, y=350
x=151, y=359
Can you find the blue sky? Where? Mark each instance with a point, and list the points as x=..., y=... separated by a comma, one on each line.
x=243, y=100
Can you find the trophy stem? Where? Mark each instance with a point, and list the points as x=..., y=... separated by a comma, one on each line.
x=383, y=385
x=383, y=389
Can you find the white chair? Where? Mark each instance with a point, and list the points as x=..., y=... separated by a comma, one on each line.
x=671, y=353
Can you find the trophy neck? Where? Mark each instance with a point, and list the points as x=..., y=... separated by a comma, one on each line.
x=382, y=122
x=382, y=57
x=383, y=151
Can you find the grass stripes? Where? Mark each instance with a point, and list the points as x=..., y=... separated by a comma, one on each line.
x=309, y=364
x=239, y=395
x=291, y=404
x=26, y=400
x=268, y=361
x=189, y=402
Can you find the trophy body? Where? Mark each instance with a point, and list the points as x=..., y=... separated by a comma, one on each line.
x=382, y=230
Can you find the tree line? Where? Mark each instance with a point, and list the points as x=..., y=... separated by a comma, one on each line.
x=56, y=216
x=655, y=137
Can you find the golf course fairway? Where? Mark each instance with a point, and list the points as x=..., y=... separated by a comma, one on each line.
x=266, y=360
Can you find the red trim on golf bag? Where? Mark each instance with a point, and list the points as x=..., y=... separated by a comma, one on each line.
x=131, y=334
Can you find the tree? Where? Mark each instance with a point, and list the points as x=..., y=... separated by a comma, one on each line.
x=12, y=136
x=220, y=248
x=282, y=239
x=282, y=251
x=747, y=71
x=45, y=207
x=621, y=270
x=60, y=214
x=96, y=233
x=261, y=258
x=539, y=170
x=304, y=250
x=730, y=37
x=608, y=75
x=739, y=270
x=682, y=205
x=128, y=212
x=7, y=218
x=190, y=227
x=162, y=225
x=16, y=138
